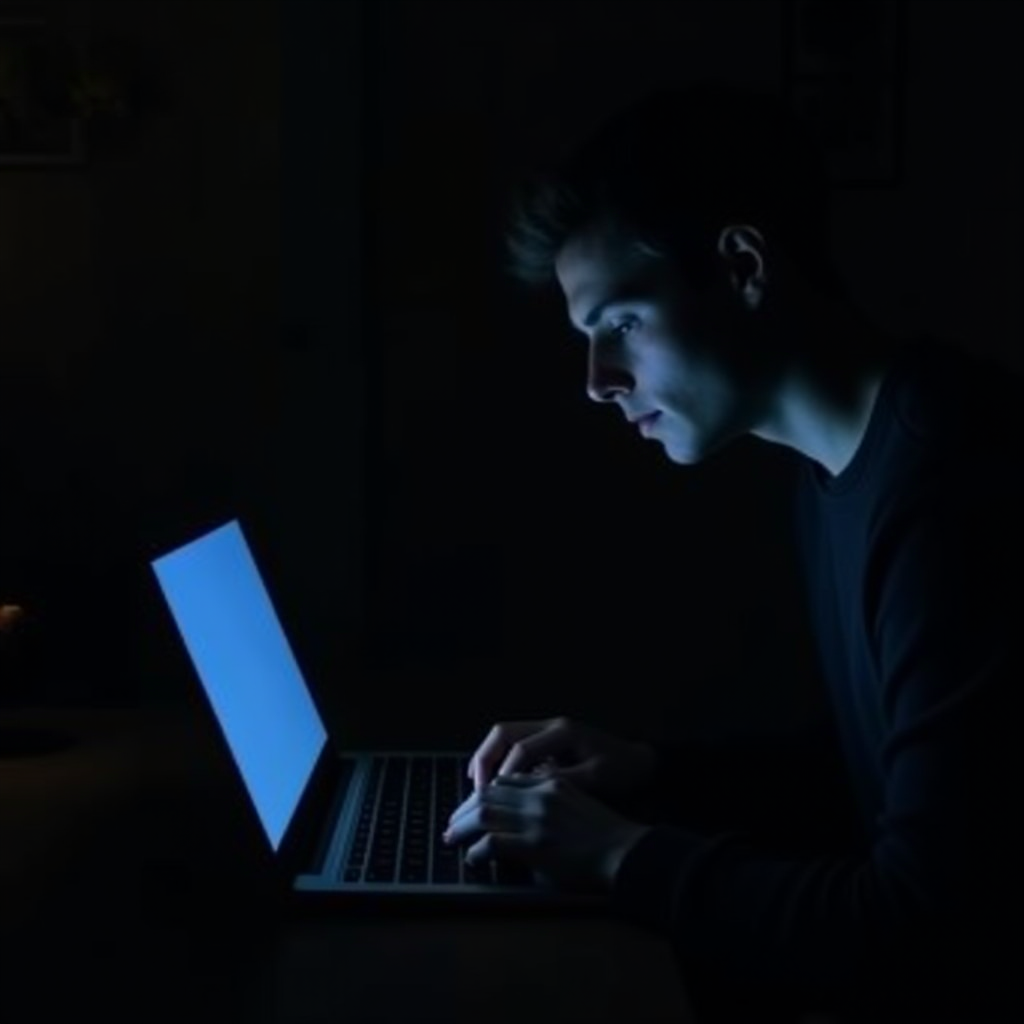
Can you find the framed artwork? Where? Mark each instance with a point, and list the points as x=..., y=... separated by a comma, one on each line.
x=39, y=123
x=62, y=94
x=844, y=68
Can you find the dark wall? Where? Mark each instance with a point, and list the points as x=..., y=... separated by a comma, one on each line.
x=143, y=375
x=180, y=341
x=285, y=300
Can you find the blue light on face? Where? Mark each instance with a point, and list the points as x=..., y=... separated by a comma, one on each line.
x=247, y=668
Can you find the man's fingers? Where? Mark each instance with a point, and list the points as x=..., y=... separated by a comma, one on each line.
x=495, y=747
x=464, y=808
x=490, y=752
x=490, y=797
x=532, y=755
x=537, y=751
x=519, y=780
x=482, y=819
x=497, y=844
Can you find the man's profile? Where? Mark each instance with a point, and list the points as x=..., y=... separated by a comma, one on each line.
x=689, y=240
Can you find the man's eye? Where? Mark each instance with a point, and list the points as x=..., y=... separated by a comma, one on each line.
x=622, y=328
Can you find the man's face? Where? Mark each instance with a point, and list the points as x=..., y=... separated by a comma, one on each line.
x=675, y=363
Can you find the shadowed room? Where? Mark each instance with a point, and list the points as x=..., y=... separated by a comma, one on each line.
x=252, y=267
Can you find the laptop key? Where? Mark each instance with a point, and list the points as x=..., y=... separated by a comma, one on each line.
x=353, y=874
x=446, y=865
x=414, y=848
x=480, y=874
x=381, y=872
x=384, y=853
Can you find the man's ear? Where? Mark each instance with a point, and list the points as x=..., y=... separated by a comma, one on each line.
x=744, y=250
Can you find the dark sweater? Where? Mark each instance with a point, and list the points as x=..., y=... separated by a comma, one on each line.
x=912, y=558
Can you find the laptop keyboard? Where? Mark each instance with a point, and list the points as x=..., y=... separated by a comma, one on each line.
x=398, y=836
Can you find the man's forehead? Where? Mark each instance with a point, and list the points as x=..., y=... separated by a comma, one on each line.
x=592, y=265
x=592, y=294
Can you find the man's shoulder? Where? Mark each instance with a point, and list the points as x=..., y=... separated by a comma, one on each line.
x=945, y=395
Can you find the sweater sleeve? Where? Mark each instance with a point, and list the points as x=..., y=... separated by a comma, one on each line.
x=790, y=785
x=939, y=877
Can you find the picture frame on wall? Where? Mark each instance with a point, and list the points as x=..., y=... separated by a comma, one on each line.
x=39, y=123
x=844, y=70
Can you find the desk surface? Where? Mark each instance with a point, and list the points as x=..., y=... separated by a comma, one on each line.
x=91, y=931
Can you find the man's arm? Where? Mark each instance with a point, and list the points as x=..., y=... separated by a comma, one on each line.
x=789, y=786
x=940, y=878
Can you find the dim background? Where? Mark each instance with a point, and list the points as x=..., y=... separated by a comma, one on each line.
x=285, y=301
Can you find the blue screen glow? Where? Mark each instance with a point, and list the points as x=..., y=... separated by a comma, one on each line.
x=247, y=669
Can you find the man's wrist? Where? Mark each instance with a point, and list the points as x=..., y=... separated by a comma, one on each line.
x=620, y=849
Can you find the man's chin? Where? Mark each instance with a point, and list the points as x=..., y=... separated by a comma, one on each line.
x=680, y=459
x=688, y=453
x=680, y=454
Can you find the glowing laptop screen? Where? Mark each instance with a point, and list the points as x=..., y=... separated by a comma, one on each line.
x=246, y=666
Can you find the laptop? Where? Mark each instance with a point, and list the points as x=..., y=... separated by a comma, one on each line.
x=365, y=826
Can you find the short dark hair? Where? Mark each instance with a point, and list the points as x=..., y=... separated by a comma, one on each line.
x=669, y=171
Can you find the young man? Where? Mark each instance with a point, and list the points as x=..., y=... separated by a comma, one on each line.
x=688, y=238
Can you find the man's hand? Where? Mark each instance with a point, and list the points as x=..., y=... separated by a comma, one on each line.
x=547, y=824
x=593, y=760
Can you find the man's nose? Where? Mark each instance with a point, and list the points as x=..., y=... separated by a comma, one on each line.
x=605, y=381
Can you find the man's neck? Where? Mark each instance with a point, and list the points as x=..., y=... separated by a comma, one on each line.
x=823, y=406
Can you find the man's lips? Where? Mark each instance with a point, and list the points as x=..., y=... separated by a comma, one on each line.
x=646, y=420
